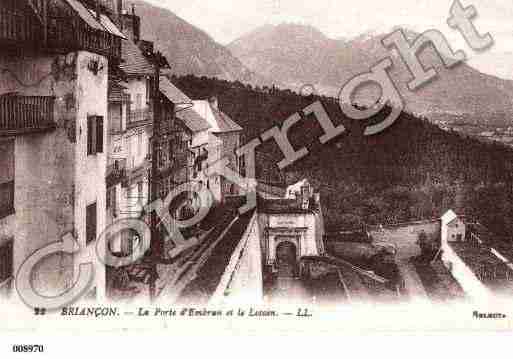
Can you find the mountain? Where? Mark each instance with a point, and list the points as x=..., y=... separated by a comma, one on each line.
x=189, y=49
x=292, y=54
x=296, y=55
x=411, y=171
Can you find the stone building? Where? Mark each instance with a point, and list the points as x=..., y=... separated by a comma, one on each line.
x=55, y=63
x=292, y=227
x=220, y=141
x=471, y=257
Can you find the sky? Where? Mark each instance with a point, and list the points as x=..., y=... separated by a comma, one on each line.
x=227, y=20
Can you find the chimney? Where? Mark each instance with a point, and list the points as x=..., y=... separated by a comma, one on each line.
x=214, y=102
x=131, y=24
x=98, y=7
x=305, y=196
x=118, y=9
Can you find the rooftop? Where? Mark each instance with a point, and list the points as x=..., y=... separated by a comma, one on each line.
x=284, y=206
x=218, y=120
x=475, y=255
x=172, y=92
x=102, y=23
x=192, y=120
x=224, y=122
x=134, y=62
x=209, y=276
x=492, y=272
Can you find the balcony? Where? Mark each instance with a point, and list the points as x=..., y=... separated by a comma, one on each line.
x=66, y=31
x=140, y=117
x=116, y=173
x=16, y=26
x=65, y=34
x=25, y=114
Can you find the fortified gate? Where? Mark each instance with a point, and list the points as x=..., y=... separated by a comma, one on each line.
x=291, y=228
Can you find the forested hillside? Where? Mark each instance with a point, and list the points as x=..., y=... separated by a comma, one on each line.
x=413, y=170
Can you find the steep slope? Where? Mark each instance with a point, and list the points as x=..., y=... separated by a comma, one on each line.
x=411, y=171
x=292, y=54
x=189, y=49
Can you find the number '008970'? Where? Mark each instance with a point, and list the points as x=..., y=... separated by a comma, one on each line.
x=27, y=348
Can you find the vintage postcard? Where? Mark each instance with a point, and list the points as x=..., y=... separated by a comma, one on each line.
x=272, y=166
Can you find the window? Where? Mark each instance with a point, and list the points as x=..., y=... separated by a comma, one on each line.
x=139, y=143
x=91, y=223
x=112, y=200
x=140, y=190
x=242, y=165
x=115, y=115
x=138, y=101
x=161, y=158
x=6, y=178
x=148, y=90
x=6, y=260
x=94, y=135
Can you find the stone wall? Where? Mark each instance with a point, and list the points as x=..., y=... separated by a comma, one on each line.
x=242, y=281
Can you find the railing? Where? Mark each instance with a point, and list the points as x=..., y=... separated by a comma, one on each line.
x=65, y=33
x=23, y=114
x=105, y=5
x=6, y=199
x=116, y=173
x=68, y=33
x=136, y=117
x=16, y=26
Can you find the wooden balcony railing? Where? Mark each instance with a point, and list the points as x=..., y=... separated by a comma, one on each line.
x=70, y=34
x=25, y=114
x=65, y=33
x=116, y=173
x=16, y=26
x=137, y=117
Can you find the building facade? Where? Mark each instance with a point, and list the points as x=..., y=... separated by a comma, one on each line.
x=219, y=141
x=53, y=119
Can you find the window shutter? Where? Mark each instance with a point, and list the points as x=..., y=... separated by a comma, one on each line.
x=99, y=134
x=91, y=132
x=91, y=223
x=114, y=202
x=6, y=261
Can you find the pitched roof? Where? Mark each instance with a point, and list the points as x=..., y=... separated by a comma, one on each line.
x=172, y=92
x=89, y=17
x=135, y=63
x=192, y=120
x=116, y=92
x=219, y=121
x=225, y=123
x=448, y=217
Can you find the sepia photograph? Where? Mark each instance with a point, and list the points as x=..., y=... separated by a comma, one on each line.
x=274, y=166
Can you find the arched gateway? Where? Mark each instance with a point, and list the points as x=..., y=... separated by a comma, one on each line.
x=291, y=228
x=286, y=259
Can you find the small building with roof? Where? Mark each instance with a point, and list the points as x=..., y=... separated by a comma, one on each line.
x=476, y=265
x=219, y=141
x=292, y=228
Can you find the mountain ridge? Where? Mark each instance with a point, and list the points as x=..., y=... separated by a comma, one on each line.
x=189, y=49
x=330, y=63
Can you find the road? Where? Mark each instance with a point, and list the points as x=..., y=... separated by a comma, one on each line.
x=287, y=290
x=404, y=240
